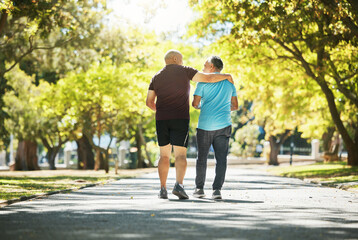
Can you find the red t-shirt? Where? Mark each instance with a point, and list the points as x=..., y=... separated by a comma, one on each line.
x=172, y=87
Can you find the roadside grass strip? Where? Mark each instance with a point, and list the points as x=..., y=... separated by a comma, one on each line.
x=18, y=186
x=329, y=174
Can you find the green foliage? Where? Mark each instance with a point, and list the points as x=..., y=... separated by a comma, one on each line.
x=21, y=106
x=294, y=54
x=246, y=139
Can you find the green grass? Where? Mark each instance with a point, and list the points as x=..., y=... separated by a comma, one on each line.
x=16, y=184
x=16, y=187
x=334, y=173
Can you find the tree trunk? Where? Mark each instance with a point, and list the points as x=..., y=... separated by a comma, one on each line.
x=26, y=156
x=99, y=162
x=106, y=162
x=84, y=153
x=51, y=156
x=138, y=139
x=327, y=139
x=352, y=156
x=351, y=144
x=275, y=147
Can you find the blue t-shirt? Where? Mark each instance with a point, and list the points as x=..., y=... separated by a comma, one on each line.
x=215, y=104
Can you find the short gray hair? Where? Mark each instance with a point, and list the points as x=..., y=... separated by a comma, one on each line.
x=217, y=62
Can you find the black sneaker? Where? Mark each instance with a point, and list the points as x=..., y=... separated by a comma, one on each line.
x=199, y=193
x=217, y=194
x=163, y=194
x=179, y=192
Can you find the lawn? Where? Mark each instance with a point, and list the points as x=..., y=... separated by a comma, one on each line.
x=329, y=173
x=23, y=184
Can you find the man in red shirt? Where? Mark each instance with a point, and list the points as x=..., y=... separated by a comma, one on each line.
x=168, y=95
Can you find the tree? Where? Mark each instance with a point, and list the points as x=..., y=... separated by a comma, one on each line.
x=312, y=35
x=23, y=118
x=55, y=127
x=26, y=25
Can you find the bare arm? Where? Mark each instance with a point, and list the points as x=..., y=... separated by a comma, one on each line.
x=234, y=104
x=151, y=96
x=212, y=77
x=196, y=102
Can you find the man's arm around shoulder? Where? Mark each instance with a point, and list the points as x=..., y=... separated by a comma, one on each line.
x=212, y=77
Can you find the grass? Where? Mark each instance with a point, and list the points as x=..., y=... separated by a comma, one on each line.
x=330, y=173
x=23, y=184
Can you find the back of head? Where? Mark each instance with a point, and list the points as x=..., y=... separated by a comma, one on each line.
x=173, y=57
x=217, y=62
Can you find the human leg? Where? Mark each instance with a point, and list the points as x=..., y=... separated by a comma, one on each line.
x=221, y=149
x=180, y=163
x=180, y=168
x=163, y=164
x=204, y=140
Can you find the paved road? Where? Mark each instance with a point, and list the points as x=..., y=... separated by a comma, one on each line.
x=256, y=206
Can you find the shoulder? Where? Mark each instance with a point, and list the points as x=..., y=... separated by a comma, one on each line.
x=189, y=69
x=157, y=74
x=201, y=84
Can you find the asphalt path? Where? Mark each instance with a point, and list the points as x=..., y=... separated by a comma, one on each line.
x=256, y=205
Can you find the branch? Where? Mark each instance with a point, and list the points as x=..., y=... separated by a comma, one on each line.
x=299, y=57
x=350, y=95
x=31, y=49
x=90, y=139
x=110, y=141
x=45, y=142
x=3, y=19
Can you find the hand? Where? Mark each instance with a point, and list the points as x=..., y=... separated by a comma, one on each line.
x=229, y=78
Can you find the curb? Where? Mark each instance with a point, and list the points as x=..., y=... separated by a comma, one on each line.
x=342, y=186
x=38, y=196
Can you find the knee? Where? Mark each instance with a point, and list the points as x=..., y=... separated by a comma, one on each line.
x=180, y=158
x=164, y=159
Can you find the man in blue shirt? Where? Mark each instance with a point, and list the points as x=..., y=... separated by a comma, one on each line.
x=216, y=101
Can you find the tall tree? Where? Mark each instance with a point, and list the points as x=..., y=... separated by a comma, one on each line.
x=23, y=121
x=313, y=35
x=26, y=25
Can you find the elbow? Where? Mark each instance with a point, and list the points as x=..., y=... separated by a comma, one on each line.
x=234, y=107
x=150, y=104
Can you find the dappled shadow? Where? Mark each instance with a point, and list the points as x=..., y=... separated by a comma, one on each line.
x=130, y=209
x=224, y=223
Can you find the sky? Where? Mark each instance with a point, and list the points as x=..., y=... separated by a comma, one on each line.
x=161, y=16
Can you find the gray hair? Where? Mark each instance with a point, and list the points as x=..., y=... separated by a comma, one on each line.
x=217, y=62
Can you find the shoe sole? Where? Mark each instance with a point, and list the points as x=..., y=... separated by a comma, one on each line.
x=199, y=195
x=179, y=195
x=162, y=197
x=217, y=197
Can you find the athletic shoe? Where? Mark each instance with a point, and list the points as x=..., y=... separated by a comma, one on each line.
x=163, y=194
x=199, y=193
x=179, y=192
x=217, y=194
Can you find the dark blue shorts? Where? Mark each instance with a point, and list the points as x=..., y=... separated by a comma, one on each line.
x=173, y=131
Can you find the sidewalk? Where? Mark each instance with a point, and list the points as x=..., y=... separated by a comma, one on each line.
x=255, y=206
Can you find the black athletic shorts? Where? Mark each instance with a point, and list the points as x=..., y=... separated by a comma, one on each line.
x=173, y=131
